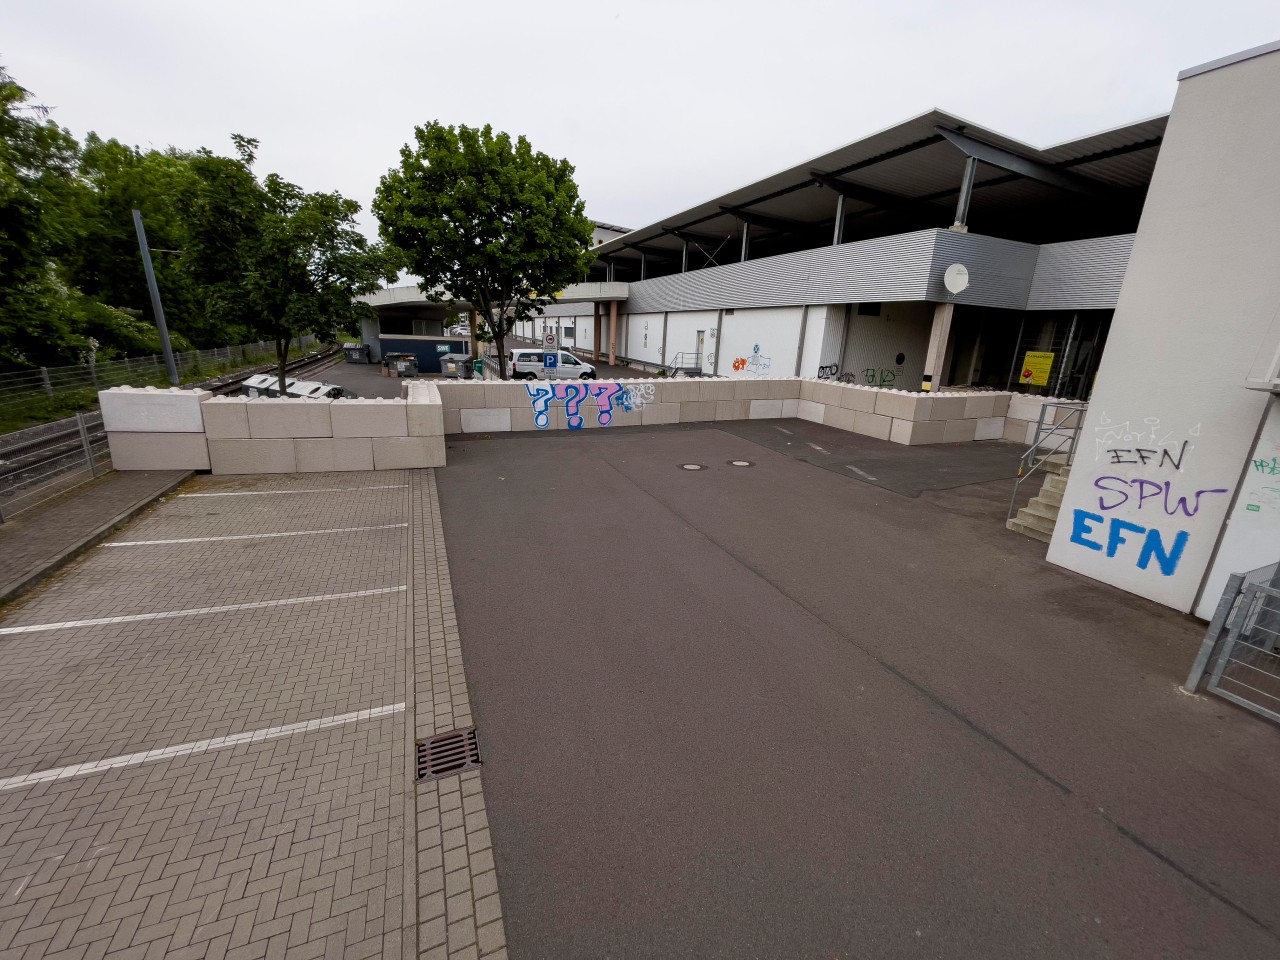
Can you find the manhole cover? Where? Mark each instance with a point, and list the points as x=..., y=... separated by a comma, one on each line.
x=448, y=753
x=692, y=466
x=741, y=463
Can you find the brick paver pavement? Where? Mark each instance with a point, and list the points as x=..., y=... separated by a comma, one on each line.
x=38, y=537
x=307, y=843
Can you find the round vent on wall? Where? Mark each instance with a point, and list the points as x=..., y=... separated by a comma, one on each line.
x=956, y=278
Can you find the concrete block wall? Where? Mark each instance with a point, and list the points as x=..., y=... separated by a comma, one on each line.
x=238, y=435
x=149, y=428
x=898, y=416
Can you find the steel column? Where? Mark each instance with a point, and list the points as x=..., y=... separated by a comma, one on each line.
x=155, y=297
x=746, y=241
x=684, y=257
x=837, y=236
x=613, y=332
x=595, y=340
x=1066, y=356
x=966, y=191
x=1017, y=345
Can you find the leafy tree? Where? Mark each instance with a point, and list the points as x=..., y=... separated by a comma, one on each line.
x=37, y=171
x=484, y=219
x=281, y=261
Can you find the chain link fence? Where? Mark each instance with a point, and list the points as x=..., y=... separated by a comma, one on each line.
x=41, y=462
x=44, y=392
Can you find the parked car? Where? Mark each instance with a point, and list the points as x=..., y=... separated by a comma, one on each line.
x=531, y=365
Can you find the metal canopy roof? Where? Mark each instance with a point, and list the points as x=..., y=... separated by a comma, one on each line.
x=913, y=169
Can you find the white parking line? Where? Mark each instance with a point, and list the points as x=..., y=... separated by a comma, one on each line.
x=819, y=449
x=195, y=611
x=783, y=430
x=861, y=473
x=263, y=493
x=197, y=746
x=253, y=536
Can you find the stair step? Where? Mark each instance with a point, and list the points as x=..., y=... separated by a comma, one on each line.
x=1042, y=523
x=1017, y=526
x=1041, y=509
x=1057, y=483
x=1050, y=498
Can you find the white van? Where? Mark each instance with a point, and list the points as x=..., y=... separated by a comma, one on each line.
x=529, y=365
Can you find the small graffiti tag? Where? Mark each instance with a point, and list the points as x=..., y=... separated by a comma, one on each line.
x=755, y=365
x=828, y=372
x=605, y=396
x=1270, y=468
x=882, y=377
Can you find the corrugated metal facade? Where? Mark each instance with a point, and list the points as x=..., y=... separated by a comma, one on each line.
x=873, y=345
x=886, y=268
x=1080, y=274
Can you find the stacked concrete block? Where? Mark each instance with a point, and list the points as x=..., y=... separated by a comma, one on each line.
x=853, y=397
x=276, y=418
x=408, y=453
x=252, y=456
x=424, y=409
x=784, y=388
x=155, y=429
x=765, y=409
x=989, y=428
x=697, y=411
x=659, y=413
x=812, y=411
x=681, y=390
x=791, y=408
x=916, y=432
x=904, y=406
x=226, y=418
x=329, y=454
x=158, y=451
x=485, y=420
x=369, y=418
x=872, y=425
x=842, y=418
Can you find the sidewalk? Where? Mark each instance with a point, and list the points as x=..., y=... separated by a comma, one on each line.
x=40, y=540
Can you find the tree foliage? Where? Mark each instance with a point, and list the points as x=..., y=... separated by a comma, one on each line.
x=237, y=258
x=485, y=219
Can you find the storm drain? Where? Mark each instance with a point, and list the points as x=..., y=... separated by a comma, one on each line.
x=448, y=753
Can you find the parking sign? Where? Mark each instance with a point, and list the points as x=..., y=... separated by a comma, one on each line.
x=550, y=361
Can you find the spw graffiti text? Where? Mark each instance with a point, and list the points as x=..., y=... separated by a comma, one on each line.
x=1139, y=491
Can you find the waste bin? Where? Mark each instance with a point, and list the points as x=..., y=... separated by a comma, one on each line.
x=400, y=364
x=454, y=365
x=356, y=352
x=477, y=365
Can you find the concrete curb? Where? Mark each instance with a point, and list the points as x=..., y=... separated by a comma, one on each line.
x=10, y=591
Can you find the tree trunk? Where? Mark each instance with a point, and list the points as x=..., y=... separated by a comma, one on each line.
x=282, y=358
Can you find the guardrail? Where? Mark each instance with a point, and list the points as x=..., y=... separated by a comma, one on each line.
x=41, y=462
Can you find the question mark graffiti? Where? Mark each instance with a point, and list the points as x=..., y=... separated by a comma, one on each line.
x=540, y=397
x=573, y=394
x=605, y=394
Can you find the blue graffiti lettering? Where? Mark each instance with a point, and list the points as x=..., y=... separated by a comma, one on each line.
x=1083, y=524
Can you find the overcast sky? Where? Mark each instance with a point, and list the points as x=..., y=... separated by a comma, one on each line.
x=658, y=104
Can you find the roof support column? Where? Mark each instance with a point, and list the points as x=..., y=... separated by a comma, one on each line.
x=644, y=262
x=684, y=257
x=613, y=332
x=610, y=271
x=746, y=241
x=837, y=236
x=595, y=340
x=939, y=336
x=966, y=192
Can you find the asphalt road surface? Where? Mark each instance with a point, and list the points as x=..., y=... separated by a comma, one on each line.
x=782, y=711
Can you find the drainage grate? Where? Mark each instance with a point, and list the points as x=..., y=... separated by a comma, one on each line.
x=692, y=466
x=741, y=463
x=448, y=753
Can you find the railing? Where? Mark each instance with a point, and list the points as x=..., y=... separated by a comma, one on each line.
x=1051, y=439
x=60, y=388
x=41, y=462
x=684, y=362
x=1245, y=597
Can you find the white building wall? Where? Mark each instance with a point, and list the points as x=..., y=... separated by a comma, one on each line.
x=760, y=343
x=644, y=337
x=823, y=338
x=682, y=330
x=1170, y=426
x=873, y=344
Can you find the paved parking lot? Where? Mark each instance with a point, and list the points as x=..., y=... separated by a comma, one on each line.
x=207, y=727
x=783, y=711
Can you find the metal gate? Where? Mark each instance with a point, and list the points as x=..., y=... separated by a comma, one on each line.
x=1241, y=650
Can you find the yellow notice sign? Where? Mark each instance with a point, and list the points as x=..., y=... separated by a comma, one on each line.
x=1035, y=369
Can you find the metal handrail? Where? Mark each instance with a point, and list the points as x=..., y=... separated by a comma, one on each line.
x=1068, y=431
x=679, y=363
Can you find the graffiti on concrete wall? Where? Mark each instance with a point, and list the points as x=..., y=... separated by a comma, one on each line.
x=829, y=371
x=755, y=365
x=1141, y=472
x=602, y=398
x=879, y=377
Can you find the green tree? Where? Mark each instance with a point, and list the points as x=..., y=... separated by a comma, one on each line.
x=281, y=261
x=485, y=219
x=37, y=179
